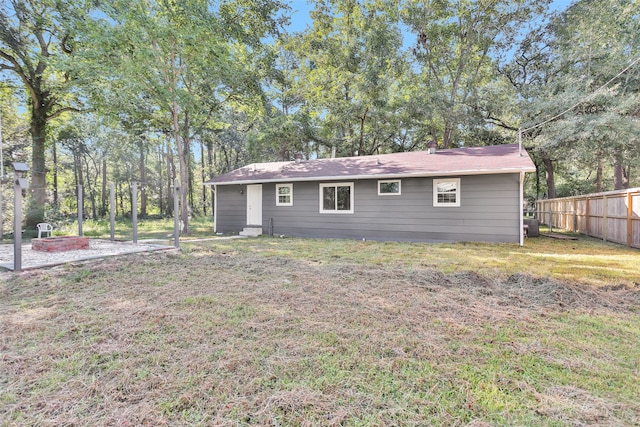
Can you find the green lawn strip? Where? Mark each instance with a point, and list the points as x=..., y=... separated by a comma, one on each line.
x=587, y=260
x=199, y=227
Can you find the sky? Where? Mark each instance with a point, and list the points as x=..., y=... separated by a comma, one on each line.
x=300, y=13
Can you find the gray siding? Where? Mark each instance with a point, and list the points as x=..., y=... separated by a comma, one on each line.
x=231, y=213
x=489, y=211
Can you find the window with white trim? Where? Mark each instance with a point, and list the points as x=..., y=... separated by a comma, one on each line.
x=389, y=187
x=446, y=192
x=284, y=194
x=336, y=198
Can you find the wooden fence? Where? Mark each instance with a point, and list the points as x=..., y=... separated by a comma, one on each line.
x=613, y=216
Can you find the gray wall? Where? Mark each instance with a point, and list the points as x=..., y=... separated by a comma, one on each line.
x=231, y=213
x=489, y=212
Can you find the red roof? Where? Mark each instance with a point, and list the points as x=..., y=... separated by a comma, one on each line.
x=495, y=159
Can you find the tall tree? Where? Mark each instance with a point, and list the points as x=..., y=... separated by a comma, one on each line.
x=185, y=59
x=570, y=73
x=348, y=69
x=457, y=44
x=33, y=45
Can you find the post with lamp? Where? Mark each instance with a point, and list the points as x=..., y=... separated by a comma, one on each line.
x=20, y=184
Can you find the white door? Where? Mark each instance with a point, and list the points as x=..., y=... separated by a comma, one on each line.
x=254, y=204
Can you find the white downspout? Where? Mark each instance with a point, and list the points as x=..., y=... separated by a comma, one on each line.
x=521, y=215
x=215, y=208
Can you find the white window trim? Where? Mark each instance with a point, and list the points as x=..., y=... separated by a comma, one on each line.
x=336, y=184
x=435, y=193
x=388, y=181
x=278, y=203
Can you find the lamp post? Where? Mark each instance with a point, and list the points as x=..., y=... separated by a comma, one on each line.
x=20, y=184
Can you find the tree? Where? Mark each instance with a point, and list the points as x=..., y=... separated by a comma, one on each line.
x=568, y=72
x=347, y=73
x=33, y=45
x=186, y=60
x=457, y=45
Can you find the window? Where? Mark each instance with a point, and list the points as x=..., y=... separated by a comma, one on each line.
x=284, y=194
x=336, y=198
x=446, y=192
x=389, y=188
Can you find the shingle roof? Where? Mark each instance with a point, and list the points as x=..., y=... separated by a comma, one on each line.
x=458, y=161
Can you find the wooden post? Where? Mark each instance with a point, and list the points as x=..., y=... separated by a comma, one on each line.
x=605, y=215
x=80, y=212
x=17, y=224
x=176, y=214
x=112, y=210
x=629, y=219
x=575, y=215
x=134, y=210
x=586, y=215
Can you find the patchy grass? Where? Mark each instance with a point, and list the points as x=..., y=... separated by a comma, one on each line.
x=305, y=332
x=586, y=260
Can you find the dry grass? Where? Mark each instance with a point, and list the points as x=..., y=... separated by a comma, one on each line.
x=256, y=333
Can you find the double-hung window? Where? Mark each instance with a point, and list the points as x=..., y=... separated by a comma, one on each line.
x=446, y=192
x=284, y=194
x=336, y=198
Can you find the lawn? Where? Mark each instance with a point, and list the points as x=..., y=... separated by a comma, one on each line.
x=273, y=331
x=147, y=228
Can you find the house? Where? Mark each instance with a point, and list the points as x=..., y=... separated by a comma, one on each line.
x=462, y=194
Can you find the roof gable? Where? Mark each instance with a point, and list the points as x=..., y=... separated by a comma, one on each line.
x=459, y=161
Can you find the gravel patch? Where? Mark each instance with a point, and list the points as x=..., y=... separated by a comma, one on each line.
x=97, y=249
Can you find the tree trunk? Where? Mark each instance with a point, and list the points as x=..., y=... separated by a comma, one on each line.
x=187, y=154
x=447, y=137
x=171, y=176
x=211, y=161
x=203, y=172
x=160, y=181
x=121, y=199
x=620, y=181
x=551, y=183
x=35, y=212
x=91, y=189
x=626, y=176
x=599, y=170
x=181, y=149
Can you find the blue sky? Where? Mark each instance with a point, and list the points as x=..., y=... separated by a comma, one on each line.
x=300, y=12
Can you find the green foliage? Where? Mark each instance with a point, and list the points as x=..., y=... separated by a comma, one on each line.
x=578, y=52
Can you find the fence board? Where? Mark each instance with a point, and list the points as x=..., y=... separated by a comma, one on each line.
x=613, y=216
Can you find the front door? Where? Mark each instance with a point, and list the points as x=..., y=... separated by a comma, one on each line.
x=254, y=204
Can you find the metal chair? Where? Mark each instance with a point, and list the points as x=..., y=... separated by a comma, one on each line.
x=44, y=227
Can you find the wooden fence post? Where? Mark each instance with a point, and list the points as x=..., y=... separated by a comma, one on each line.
x=586, y=214
x=605, y=217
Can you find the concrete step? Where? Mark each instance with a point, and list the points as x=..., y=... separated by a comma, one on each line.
x=251, y=231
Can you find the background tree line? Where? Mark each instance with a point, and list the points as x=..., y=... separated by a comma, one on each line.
x=153, y=91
